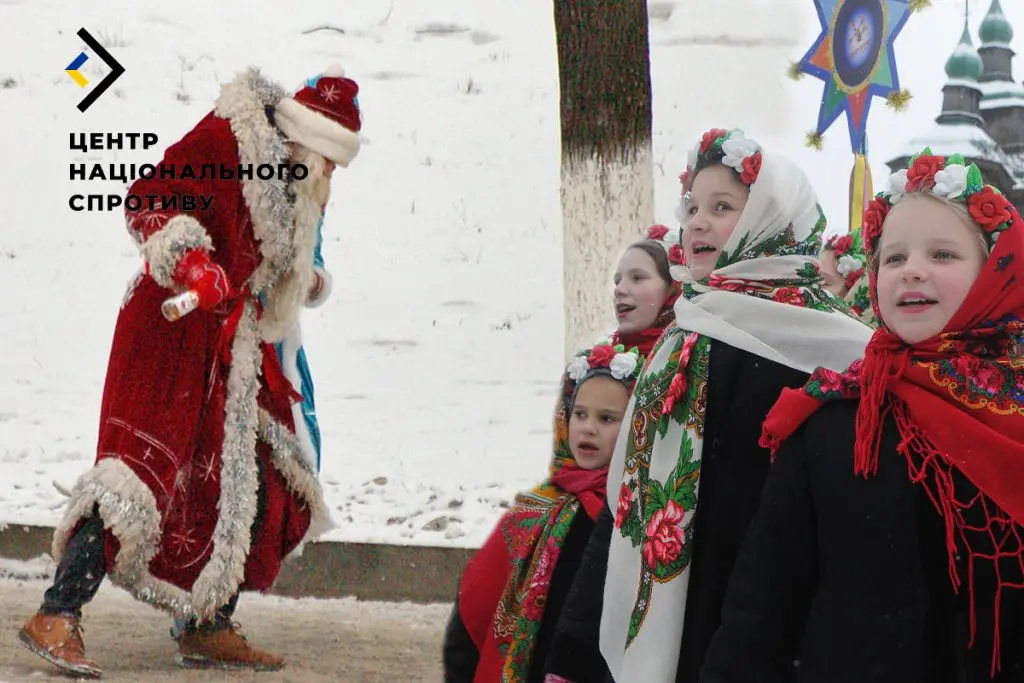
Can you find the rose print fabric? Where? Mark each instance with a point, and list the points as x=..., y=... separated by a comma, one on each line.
x=764, y=297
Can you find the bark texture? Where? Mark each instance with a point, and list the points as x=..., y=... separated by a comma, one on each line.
x=607, y=181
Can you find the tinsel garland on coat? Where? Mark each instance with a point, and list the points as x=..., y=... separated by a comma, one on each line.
x=196, y=436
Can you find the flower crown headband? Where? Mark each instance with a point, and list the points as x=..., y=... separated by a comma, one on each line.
x=950, y=178
x=621, y=364
x=851, y=257
x=670, y=240
x=730, y=147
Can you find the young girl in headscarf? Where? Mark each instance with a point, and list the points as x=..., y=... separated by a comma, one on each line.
x=752, y=320
x=511, y=592
x=645, y=291
x=844, y=264
x=888, y=546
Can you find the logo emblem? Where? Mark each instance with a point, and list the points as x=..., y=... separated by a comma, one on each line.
x=72, y=70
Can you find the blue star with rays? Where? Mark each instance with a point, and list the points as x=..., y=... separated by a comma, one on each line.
x=855, y=58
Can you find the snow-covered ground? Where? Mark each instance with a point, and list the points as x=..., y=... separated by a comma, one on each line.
x=322, y=640
x=37, y=569
x=436, y=360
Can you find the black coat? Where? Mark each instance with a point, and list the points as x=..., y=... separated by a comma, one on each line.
x=460, y=654
x=742, y=387
x=849, y=577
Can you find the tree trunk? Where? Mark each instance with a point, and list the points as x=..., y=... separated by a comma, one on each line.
x=607, y=184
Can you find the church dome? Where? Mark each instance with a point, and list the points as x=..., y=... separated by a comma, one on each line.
x=995, y=28
x=964, y=63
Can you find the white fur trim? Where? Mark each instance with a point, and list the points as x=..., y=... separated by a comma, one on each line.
x=327, y=285
x=242, y=102
x=165, y=248
x=299, y=477
x=317, y=132
x=283, y=231
x=287, y=296
x=129, y=511
x=239, y=474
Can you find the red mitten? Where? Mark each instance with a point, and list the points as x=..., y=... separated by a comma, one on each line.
x=197, y=272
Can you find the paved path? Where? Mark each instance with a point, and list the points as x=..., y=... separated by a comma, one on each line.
x=322, y=640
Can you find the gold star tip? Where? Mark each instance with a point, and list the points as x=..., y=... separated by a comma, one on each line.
x=815, y=140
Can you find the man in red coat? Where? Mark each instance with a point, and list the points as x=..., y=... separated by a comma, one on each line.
x=199, y=489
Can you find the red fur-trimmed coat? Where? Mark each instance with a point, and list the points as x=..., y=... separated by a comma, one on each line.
x=198, y=475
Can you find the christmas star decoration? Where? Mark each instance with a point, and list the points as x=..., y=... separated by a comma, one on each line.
x=855, y=59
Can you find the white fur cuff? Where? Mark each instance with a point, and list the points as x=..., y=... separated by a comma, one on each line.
x=316, y=132
x=167, y=246
x=326, y=285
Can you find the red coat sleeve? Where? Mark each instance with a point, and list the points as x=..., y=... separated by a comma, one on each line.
x=183, y=205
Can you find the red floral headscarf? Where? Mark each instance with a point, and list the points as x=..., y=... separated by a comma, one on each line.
x=958, y=398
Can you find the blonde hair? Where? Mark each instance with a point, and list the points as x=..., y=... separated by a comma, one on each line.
x=958, y=208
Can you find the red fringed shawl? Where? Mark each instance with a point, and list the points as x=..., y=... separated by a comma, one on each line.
x=958, y=401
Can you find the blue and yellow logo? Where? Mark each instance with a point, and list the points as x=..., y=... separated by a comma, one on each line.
x=72, y=70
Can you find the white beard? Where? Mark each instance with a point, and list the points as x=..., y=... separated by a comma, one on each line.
x=287, y=297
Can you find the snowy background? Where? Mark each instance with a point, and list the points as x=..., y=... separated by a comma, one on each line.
x=437, y=358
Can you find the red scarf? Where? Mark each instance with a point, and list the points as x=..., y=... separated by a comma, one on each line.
x=505, y=585
x=644, y=340
x=587, y=485
x=958, y=401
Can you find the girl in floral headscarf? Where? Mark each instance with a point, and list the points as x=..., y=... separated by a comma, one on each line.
x=888, y=547
x=511, y=593
x=752, y=320
x=844, y=264
x=645, y=292
x=512, y=590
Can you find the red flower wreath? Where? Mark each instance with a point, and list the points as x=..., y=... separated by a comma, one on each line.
x=921, y=174
x=657, y=232
x=751, y=168
x=874, y=216
x=676, y=255
x=841, y=244
x=707, y=140
x=685, y=177
x=989, y=209
x=601, y=356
